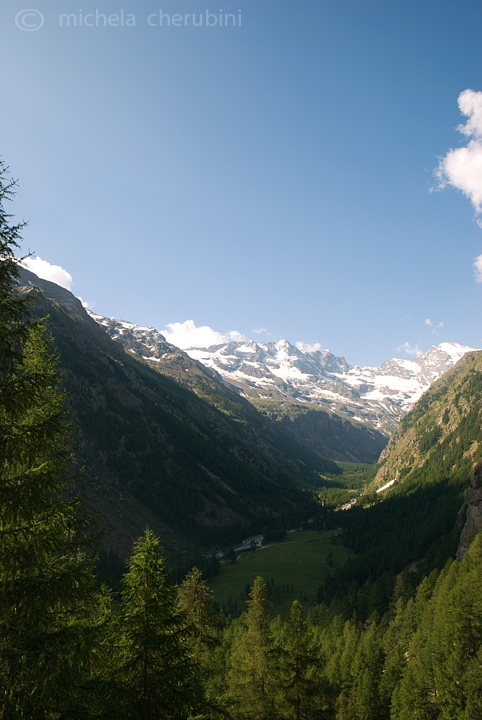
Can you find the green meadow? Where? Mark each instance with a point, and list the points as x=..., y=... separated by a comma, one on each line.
x=293, y=570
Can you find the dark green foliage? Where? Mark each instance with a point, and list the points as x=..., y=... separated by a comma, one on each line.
x=251, y=677
x=49, y=609
x=300, y=685
x=274, y=534
x=153, y=675
x=205, y=635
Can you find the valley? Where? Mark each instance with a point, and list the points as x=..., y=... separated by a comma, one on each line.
x=206, y=463
x=293, y=569
x=341, y=592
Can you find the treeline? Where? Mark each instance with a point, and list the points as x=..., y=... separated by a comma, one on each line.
x=416, y=525
x=159, y=652
x=72, y=649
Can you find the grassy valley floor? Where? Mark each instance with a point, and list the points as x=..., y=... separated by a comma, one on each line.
x=293, y=570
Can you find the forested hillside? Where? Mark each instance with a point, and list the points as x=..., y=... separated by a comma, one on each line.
x=397, y=631
x=431, y=458
x=193, y=460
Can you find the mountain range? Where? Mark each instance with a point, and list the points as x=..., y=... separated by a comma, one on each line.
x=194, y=451
x=270, y=373
x=168, y=445
x=424, y=503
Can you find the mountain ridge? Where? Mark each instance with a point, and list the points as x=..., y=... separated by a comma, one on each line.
x=193, y=460
x=376, y=396
x=426, y=432
x=279, y=371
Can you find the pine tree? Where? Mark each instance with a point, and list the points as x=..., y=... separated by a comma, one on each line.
x=155, y=677
x=196, y=603
x=205, y=626
x=47, y=595
x=416, y=690
x=250, y=679
x=457, y=637
x=13, y=309
x=395, y=645
x=299, y=684
x=339, y=662
x=364, y=702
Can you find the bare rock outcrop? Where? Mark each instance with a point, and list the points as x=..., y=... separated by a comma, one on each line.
x=470, y=514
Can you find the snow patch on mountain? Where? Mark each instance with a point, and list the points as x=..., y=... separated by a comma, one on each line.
x=378, y=396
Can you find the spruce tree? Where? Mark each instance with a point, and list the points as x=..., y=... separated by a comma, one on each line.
x=299, y=684
x=195, y=601
x=416, y=690
x=364, y=702
x=457, y=637
x=339, y=660
x=250, y=680
x=47, y=593
x=155, y=676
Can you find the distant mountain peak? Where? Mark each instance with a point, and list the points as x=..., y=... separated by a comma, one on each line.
x=377, y=396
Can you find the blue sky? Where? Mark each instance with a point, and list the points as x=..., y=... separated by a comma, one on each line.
x=273, y=175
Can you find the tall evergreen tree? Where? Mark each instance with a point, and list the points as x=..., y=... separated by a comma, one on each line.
x=457, y=637
x=251, y=676
x=300, y=682
x=416, y=690
x=47, y=591
x=155, y=678
x=204, y=626
x=196, y=603
x=339, y=658
x=366, y=670
x=13, y=309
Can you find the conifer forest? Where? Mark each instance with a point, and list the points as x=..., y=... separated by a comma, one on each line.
x=396, y=633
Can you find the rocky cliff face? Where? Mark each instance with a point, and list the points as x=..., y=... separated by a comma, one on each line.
x=470, y=514
x=333, y=436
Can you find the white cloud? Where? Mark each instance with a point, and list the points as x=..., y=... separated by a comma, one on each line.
x=462, y=168
x=478, y=268
x=470, y=104
x=186, y=335
x=46, y=271
x=85, y=303
x=260, y=331
x=434, y=326
x=414, y=351
x=306, y=347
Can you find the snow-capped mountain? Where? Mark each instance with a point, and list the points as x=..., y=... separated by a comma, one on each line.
x=379, y=396
x=146, y=342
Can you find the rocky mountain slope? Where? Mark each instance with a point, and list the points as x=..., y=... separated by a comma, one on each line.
x=424, y=504
x=470, y=514
x=435, y=456
x=326, y=433
x=375, y=396
x=192, y=459
x=273, y=373
x=442, y=433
